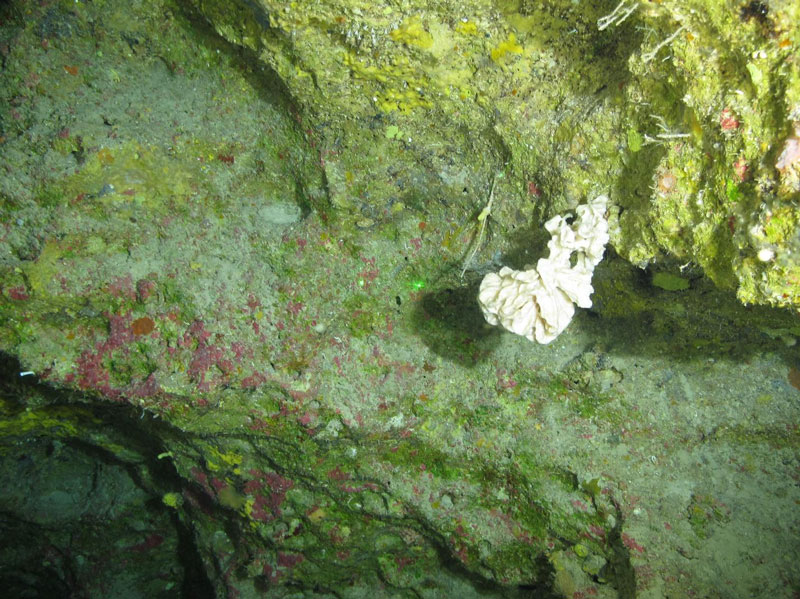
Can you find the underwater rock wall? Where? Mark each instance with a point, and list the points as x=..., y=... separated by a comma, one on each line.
x=686, y=113
x=239, y=320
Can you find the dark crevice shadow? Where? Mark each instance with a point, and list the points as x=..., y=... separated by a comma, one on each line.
x=96, y=423
x=451, y=324
x=629, y=316
x=632, y=316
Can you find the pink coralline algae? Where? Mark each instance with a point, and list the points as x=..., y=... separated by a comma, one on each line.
x=92, y=373
x=92, y=370
x=18, y=293
x=728, y=120
x=285, y=562
x=269, y=489
x=205, y=355
x=144, y=289
x=122, y=287
x=631, y=543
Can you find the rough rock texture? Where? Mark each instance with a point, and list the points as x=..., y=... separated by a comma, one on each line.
x=237, y=343
x=686, y=113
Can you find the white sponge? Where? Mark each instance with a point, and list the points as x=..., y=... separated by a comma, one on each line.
x=539, y=303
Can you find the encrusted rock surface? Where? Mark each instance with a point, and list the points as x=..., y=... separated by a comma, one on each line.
x=236, y=340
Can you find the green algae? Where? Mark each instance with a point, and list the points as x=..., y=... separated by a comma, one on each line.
x=669, y=281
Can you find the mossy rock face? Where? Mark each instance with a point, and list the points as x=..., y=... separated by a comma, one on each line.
x=444, y=97
x=687, y=114
x=714, y=111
